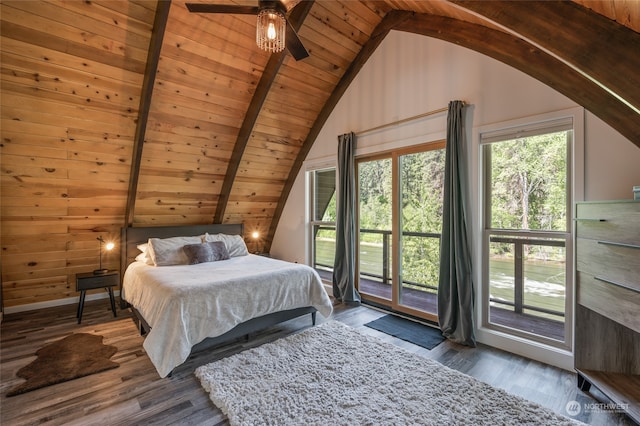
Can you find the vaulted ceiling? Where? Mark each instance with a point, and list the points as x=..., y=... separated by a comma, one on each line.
x=124, y=113
x=249, y=118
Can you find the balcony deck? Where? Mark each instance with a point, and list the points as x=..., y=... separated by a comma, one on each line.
x=428, y=302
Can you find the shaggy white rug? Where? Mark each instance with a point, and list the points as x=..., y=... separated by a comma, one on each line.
x=332, y=374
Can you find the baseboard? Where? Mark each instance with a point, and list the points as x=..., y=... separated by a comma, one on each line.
x=58, y=302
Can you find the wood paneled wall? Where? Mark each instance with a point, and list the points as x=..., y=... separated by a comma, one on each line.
x=71, y=86
x=208, y=70
x=71, y=78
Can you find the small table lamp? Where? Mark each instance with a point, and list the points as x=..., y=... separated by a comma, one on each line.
x=108, y=246
x=256, y=239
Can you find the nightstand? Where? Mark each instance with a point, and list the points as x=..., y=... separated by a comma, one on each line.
x=88, y=281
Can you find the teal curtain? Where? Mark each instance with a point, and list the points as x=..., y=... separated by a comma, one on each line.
x=455, y=288
x=344, y=267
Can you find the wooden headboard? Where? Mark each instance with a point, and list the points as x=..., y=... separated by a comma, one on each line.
x=131, y=237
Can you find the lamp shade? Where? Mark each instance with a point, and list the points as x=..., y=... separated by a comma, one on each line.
x=270, y=30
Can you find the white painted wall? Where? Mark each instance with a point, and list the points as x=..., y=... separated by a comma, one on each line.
x=409, y=75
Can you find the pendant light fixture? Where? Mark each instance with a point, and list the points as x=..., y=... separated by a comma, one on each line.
x=272, y=25
x=270, y=30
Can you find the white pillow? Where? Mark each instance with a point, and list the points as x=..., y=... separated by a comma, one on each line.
x=234, y=243
x=168, y=251
x=144, y=256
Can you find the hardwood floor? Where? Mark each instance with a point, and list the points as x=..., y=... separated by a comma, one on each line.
x=133, y=394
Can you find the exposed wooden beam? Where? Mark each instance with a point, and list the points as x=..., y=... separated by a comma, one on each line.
x=389, y=22
x=155, y=46
x=593, y=44
x=520, y=54
x=296, y=18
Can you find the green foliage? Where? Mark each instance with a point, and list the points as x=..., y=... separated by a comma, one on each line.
x=374, y=179
x=421, y=189
x=330, y=213
x=528, y=188
x=528, y=183
x=421, y=260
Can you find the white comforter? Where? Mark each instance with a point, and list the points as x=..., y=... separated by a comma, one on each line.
x=186, y=304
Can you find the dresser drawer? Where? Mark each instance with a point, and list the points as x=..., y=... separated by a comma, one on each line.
x=612, y=221
x=617, y=303
x=609, y=260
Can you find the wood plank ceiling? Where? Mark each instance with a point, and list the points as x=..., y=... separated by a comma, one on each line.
x=107, y=122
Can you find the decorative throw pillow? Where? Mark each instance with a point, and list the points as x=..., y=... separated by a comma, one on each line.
x=206, y=252
x=234, y=243
x=168, y=251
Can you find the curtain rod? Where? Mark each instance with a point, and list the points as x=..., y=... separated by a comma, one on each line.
x=405, y=120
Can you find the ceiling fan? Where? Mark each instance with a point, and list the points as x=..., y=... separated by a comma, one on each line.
x=273, y=30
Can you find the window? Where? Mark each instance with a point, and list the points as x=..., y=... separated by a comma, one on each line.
x=527, y=230
x=322, y=195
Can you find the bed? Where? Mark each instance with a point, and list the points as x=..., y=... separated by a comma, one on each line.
x=182, y=308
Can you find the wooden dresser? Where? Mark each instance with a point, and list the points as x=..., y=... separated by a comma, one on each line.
x=607, y=325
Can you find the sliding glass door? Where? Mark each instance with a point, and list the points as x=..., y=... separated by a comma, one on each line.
x=400, y=219
x=421, y=189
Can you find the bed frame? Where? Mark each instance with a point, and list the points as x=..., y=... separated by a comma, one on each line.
x=131, y=237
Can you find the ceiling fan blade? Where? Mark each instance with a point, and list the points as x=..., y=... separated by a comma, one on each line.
x=294, y=45
x=222, y=8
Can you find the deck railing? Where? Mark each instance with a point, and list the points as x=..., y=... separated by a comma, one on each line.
x=518, y=275
x=385, y=276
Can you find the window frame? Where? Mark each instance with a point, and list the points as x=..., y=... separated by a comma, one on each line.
x=530, y=127
x=310, y=174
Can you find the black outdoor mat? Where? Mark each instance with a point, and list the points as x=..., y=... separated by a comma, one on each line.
x=411, y=331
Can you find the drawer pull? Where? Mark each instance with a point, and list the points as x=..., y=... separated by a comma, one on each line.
x=613, y=243
x=589, y=220
x=625, y=286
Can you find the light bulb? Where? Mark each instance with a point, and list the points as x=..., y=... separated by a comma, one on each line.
x=271, y=31
x=109, y=246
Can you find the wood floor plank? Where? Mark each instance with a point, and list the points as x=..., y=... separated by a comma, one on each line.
x=133, y=393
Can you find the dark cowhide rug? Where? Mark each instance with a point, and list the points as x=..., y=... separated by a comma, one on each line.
x=77, y=355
